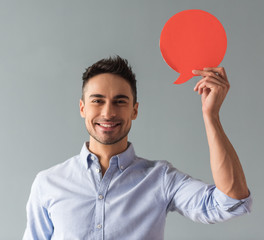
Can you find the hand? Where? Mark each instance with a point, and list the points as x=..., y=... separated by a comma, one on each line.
x=213, y=86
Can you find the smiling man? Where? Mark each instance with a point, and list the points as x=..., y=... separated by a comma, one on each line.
x=108, y=108
x=107, y=192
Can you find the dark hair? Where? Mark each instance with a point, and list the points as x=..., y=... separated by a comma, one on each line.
x=115, y=65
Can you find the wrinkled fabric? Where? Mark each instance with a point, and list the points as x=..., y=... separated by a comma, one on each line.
x=73, y=201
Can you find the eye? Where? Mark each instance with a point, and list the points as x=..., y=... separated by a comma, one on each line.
x=97, y=101
x=120, y=101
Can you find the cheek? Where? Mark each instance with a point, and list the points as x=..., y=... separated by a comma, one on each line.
x=88, y=117
x=90, y=114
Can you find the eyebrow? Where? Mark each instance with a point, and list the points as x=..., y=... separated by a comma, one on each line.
x=102, y=96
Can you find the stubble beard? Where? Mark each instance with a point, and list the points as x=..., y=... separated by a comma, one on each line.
x=110, y=140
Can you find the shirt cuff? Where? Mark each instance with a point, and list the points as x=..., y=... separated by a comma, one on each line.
x=230, y=204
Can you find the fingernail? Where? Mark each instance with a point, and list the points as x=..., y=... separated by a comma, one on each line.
x=194, y=71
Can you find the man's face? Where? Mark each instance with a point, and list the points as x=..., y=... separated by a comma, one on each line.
x=108, y=108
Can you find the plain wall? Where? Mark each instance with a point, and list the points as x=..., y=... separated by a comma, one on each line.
x=45, y=47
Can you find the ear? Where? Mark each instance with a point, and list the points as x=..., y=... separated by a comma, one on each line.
x=82, y=112
x=135, y=111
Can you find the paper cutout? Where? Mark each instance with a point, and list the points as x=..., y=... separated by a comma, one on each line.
x=192, y=39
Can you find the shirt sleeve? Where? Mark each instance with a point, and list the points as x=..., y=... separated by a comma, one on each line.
x=199, y=201
x=39, y=225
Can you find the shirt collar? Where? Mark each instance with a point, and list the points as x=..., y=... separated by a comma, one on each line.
x=124, y=159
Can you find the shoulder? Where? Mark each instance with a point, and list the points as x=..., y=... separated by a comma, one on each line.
x=163, y=168
x=152, y=165
x=60, y=170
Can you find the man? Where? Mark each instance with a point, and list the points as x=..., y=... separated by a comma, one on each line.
x=107, y=192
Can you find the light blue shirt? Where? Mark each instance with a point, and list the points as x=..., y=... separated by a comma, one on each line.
x=73, y=201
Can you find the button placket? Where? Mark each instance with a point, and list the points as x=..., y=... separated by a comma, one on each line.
x=100, y=202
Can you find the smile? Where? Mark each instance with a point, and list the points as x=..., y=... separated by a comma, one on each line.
x=108, y=126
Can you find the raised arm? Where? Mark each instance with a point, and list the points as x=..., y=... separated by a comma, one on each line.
x=226, y=168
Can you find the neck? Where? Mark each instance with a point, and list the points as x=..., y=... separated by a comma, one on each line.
x=105, y=152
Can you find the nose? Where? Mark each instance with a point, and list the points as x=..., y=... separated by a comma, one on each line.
x=108, y=111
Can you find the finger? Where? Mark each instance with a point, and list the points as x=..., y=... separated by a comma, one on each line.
x=209, y=84
x=212, y=76
x=208, y=74
x=220, y=70
x=207, y=79
x=205, y=92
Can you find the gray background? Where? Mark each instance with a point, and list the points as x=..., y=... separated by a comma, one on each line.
x=45, y=47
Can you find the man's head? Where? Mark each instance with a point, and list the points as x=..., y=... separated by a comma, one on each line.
x=108, y=102
x=115, y=65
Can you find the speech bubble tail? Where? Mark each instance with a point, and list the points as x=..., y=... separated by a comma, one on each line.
x=183, y=78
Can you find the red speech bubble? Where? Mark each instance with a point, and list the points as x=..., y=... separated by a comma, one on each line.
x=192, y=39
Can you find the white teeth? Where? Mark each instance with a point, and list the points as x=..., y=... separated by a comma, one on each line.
x=107, y=125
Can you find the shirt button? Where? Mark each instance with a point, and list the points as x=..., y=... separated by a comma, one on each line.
x=98, y=170
x=122, y=167
x=99, y=226
x=93, y=157
x=101, y=197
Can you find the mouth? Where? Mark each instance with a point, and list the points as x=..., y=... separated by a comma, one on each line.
x=108, y=126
